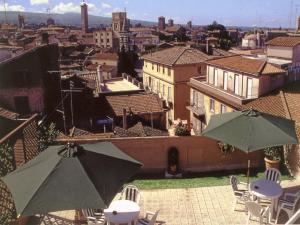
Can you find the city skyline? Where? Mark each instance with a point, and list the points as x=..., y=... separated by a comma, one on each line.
x=268, y=13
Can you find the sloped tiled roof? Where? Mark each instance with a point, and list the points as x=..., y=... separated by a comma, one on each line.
x=105, y=55
x=271, y=104
x=177, y=56
x=8, y=114
x=139, y=103
x=246, y=65
x=284, y=41
x=282, y=102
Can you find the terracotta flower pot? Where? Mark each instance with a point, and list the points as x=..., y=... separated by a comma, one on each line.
x=272, y=163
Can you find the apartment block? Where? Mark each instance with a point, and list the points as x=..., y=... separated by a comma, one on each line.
x=230, y=83
x=167, y=73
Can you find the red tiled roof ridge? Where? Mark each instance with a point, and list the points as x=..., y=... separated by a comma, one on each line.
x=285, y=105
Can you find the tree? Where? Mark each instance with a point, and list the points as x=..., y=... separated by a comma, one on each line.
x=127, y=61
x=180, y=35
x=225, y=41
x=46, y=135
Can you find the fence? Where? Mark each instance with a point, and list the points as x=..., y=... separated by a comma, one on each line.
x=18, y=146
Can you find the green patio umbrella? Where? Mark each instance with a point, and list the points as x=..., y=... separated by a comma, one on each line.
x=251, y=130
x=70, y=177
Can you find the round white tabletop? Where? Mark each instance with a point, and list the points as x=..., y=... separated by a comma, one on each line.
x=122, y=211
x=266, y=189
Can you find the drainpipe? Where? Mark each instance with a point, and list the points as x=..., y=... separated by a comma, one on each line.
x=124, y=119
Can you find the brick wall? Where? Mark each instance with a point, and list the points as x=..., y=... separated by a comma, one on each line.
x=196, y=153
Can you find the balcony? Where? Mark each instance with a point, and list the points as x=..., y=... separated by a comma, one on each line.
x=217, y=93
x=197, y=110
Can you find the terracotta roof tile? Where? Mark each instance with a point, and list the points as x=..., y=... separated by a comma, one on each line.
x=105, y=55
x=284, y=103
x=246, y=65
x=271, y=104
x=284, y=41
x=177, y=56
x=8, y=114
x=139, y=103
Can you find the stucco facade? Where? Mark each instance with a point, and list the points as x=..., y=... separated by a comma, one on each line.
x=170, y=83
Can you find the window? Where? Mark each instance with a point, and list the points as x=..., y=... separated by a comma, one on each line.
x=101, y=40
x=216, y=77
x=169, y=93
x=212, y=105
x=236, y=84
x=22, y=104
x=249, y=87
x=152, y=66
x=157, y=68
x=225, y=81
x=199, y=70
x=107, y=40
x=223, y=109
x=163, y=70
x=169, y=72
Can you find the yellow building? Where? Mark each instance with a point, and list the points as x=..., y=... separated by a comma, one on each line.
x=230, y=83
x=167, y=73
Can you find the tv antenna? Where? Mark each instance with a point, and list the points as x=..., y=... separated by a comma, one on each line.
x=5, y=13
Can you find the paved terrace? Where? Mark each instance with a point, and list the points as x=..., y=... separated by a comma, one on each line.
x=192, y=206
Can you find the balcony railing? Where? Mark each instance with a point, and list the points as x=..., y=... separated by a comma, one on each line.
x=218, y=93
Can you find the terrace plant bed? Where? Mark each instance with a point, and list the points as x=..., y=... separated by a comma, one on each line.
x=194, y=180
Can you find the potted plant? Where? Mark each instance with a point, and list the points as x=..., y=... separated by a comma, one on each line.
x=182, y=130
x=273, y=156
x=225, y=148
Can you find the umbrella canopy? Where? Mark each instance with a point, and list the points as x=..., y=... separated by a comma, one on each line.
x=250, y=130
x=70, y=177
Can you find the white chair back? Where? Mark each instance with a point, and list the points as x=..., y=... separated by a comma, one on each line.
x=294, y=218
x=132, y=193
x=273, y=174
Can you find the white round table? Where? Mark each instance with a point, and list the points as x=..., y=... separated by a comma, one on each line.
x=268, y=190
x=122, y=211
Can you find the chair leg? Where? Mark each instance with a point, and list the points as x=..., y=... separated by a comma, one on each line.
x=248, y=218
x=234, y=204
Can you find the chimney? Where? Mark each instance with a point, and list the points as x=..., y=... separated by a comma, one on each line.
x=207, y=47
x=124, y=119
x=258, y=39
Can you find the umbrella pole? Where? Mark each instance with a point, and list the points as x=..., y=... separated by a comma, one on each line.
x=248, y=172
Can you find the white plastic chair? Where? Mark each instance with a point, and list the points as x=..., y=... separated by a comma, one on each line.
x=256, y=210
x=132, y=193
x=93, y=218
x=273, y=174
x=289, y=204
x=240, y=195
x=147, y=220
x=294, y=218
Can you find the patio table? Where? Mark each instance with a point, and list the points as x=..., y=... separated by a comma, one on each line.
x=267, y=189
x=122, y=211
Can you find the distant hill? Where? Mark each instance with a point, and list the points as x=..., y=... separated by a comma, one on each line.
x=72, y=19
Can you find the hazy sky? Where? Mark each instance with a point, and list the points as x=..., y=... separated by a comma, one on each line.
x=273, y=13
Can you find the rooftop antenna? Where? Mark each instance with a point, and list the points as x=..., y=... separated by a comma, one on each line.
x=296, y=13
x=291, y=13
x=5, y=13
